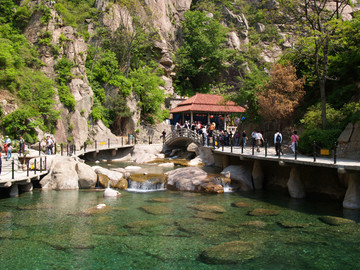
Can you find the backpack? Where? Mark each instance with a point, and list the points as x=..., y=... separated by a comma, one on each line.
x=278, y=138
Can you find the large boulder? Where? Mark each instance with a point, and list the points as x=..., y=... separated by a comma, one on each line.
x=241, y=175
x=115, y=176
x=192, y=179
x=62, y=175
x=87, y=176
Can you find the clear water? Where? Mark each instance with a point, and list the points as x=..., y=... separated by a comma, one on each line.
x=54, y=230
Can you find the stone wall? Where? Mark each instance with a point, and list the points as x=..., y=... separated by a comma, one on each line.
x=349, y=142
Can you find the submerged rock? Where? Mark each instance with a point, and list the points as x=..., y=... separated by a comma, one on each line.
x=240, y=174
x=157, y=210
x=336, y=221
x=291, y=224
x=230, y=253
x=263, y=212
x=207, y=215
x=208, y=208
x=161, y=200
x=240, y=204
x=147, y=223
x=96, y=210
x=254, y=223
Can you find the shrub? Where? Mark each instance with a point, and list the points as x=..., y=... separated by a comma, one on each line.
x=323, y=138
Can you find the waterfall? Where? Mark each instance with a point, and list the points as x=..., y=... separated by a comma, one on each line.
x=149, y=185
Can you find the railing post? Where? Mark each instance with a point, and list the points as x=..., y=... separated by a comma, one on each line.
x=74, y=149
x=231, y=146
x=314, y=151
x=27, y=168
x=135, y=138
x=13, y=169
x=39, y=149
x=45, y=163
x=242, y=148
x=84, y=147
x=122, y=140
x=108, y=143
x=335, y=152
x=295, y=151
x=62, y=148
x=265, y=143
x=55, y=148
x=149, y=140
x=95, y=145
x=40, y=165
x=213, y=138
x=35, y=166
x=252, y=150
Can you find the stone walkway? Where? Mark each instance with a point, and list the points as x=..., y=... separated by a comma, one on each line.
x=290, y=158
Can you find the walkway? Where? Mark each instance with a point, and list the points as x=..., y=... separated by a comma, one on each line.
x=341, y=163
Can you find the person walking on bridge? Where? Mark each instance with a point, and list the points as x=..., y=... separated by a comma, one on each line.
x=277, y=142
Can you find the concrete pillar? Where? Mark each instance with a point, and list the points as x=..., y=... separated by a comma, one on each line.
x=26, y=187
x=225, y=161
x=258, y=175
x=352, y=195
x=113, y=153
x=14, y=191
x=296, y=187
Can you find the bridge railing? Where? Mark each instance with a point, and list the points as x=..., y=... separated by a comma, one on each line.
x=317, y=150
x=183, y=132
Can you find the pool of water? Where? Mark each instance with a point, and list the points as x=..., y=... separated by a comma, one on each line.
x=173, y=230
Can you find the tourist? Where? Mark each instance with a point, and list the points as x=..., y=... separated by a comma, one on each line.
x=7, y=139
x=277, y=142
x=244, y=138
x=253, y=138
x=205, y=135
x=9, y=148
x=22, y=145
x=294, y=141
x=237, y=137
x=259, y=140
x=163, y=135
x=49, y=145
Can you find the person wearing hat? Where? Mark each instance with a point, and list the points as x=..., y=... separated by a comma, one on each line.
x=7, y=139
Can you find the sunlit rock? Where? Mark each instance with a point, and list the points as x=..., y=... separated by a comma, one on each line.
x=230, y=253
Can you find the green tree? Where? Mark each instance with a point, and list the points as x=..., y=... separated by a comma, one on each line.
x=203, y=56
x=146, y=84
x=317, y=25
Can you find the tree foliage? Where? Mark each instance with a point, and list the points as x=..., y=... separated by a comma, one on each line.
x=203, y=55
x=281, y=94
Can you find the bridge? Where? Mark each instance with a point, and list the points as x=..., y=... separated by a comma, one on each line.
x=182, y=137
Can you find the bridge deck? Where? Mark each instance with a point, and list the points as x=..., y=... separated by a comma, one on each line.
x=289, y=158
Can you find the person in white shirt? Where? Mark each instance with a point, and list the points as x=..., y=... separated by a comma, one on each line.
x=259, y=139
x=277, y=142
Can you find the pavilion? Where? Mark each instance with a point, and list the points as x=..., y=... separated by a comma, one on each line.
x=206, y=108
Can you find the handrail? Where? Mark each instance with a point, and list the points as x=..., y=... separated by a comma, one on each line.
x=183, y=133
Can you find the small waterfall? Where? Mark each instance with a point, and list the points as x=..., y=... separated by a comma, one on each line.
x=149, y=185
x=225, y=184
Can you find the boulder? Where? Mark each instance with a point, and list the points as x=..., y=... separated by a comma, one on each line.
x=241, y=175
x=87, y=176
x=113, y=175
x=230, y=253
x=186, y=179
x=62, y=175
x=352, y=195
x=295, y=185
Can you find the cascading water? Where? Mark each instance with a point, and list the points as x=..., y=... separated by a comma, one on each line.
x=147, y=184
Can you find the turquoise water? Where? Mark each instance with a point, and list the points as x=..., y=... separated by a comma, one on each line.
x=61, y=230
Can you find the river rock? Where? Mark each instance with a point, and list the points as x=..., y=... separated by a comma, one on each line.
x=87, y=176
x=241, y=175
x=161, y=200
x=210, y=187
x=208, y=208
x=133, y=168
x=122, y=184
x=113, y=175
x=254, y=224
x=62, y=176
x=186, y=179
x=167, y=165
x=157, y=210
x=263, y=212
x=230, y=253
x=240, y=204
x=336, y=221
x=207, y=215
x=96, y=210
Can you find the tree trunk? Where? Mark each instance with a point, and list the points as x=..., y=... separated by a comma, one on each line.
x=323, y=103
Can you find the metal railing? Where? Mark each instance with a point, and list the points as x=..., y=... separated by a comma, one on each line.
x=183, y=133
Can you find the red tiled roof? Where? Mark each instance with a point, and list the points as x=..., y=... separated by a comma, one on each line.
x=207, y=103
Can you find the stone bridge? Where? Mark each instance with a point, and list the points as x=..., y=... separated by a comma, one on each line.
x=182, y=138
